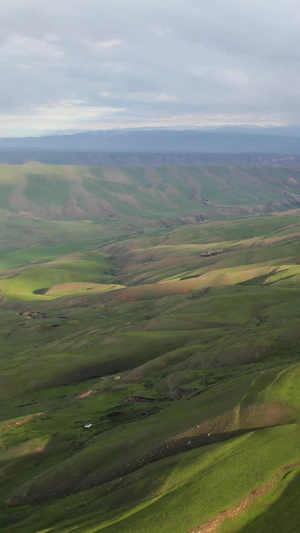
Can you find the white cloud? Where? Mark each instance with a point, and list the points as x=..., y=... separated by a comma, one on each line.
x=59, y=116
x=158, y=63
x=108, y=44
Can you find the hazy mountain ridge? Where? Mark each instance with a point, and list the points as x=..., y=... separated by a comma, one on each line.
x=125, y=159
x=163, y=141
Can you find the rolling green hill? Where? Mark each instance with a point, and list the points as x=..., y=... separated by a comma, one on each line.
x=149, y=376
x=77, y=192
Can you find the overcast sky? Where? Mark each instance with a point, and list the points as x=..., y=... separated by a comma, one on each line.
x=93, y=64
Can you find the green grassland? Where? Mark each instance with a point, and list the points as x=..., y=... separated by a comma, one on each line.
x=187, y=366
x=60, y=192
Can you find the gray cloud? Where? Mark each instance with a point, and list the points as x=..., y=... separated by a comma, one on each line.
x=91, y=64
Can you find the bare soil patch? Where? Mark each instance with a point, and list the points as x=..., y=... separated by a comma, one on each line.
x=214, y=524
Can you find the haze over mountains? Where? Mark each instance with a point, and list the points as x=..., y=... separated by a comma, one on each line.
x=244, y=145
x=223, y=140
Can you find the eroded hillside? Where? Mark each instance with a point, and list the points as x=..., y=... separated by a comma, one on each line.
x=80, y=192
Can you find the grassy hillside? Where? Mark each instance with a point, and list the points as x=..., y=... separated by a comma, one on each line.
x=80, y=192
x=178, y=348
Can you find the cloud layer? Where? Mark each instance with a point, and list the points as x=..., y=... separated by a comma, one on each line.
x=94, y=64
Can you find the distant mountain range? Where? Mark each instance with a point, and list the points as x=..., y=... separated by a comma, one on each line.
x=285, y=140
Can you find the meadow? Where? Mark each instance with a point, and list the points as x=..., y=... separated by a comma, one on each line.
x=149, y=374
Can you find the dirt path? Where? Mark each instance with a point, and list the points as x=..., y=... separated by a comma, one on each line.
x=214, y=524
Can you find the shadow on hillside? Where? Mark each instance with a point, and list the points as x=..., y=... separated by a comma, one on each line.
x=282, y=515
x=38, y=489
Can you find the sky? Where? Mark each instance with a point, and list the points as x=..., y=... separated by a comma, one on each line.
x=74, y=65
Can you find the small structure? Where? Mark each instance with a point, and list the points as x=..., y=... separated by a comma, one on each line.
x=87, y=426
x=209, y=253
